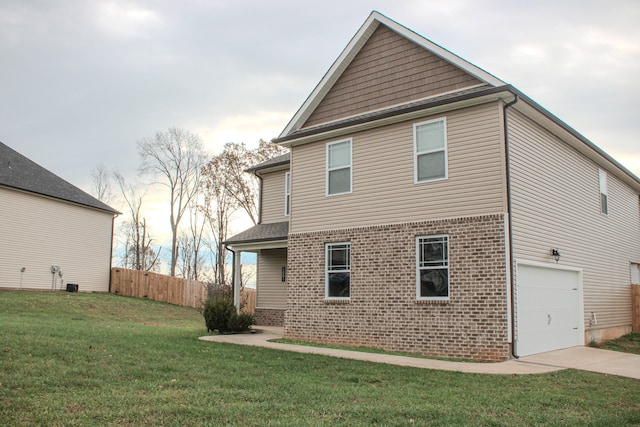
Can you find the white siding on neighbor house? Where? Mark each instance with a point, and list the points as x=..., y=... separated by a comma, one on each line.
x=273, y=197
x=383, y=188
x=271, y=290
x=556, y=204
x=38, y=232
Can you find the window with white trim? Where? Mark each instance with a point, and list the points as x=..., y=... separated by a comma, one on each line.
x=432, y=267
x=287, y=193
x=338, y=270
x=339, y=167
x=604, y=199
x=430, y=150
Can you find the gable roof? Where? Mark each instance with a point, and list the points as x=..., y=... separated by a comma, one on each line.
x=372, y=23
x=20, y=173
x=300, y=131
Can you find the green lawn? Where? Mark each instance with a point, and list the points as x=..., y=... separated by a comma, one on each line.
x=92, y=359
x=629, y=343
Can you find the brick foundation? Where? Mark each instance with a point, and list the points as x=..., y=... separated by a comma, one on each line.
x=269, y=317
x=383, y=311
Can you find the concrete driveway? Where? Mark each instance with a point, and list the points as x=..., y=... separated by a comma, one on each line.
x=589, y=359
x=584, y=358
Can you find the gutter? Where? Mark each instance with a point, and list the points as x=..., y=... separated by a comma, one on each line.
x=113, y=221
x=509, y=223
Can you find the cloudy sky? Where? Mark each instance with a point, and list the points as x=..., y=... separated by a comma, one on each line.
x=82, y=81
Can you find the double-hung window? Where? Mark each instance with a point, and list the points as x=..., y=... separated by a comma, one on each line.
x=287, y=193
x=338, y=270
x=604, y=199
x=339, y=167
x=432, y=267
x=430, y=150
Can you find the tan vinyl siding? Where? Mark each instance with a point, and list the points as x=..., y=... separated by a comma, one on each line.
x=388, y=70
x=556, y=204
x=383, y=181
x=38, y=232
x=273, y=197
x=272, y=291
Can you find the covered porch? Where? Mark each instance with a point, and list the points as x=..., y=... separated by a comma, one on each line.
x=269, y=243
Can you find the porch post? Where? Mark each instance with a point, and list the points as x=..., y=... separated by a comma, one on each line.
x=237, y=279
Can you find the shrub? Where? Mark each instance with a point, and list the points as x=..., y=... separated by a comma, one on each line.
x=217, y=313
x=220, y=315
x=241, y=322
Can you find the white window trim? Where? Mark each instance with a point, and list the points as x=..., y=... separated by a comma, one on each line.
x=326, y=271
x=421, y=298
x=415, y=151
x=287, y=193
x=349, y=140
x=602, y=183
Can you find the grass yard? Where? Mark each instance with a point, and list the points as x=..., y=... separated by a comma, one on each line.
x=629, y=343
x=95, y=359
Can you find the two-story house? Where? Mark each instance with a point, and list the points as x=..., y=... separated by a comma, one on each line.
x=427, y=206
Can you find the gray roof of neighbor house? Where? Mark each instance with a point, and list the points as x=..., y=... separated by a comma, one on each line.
x=20, y=173
x=261, y=233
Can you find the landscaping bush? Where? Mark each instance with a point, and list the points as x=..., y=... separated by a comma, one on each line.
x=241, y=322
x=220, y=315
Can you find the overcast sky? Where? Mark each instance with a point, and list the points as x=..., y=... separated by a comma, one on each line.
x=82, y=81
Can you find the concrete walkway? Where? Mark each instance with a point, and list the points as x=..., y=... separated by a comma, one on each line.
x=584, y=358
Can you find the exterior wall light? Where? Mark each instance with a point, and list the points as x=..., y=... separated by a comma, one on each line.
x=555, y=253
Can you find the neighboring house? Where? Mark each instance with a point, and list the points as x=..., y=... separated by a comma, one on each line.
x=53, y=233
x=427, y=206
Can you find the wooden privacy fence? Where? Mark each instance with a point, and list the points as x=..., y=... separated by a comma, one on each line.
x=635, y=298
x=174, y=290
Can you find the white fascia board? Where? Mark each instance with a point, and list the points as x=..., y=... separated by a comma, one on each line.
x=414, y=115
x=445, y=54
x=352, y=49
x=334, y=72
x=256, y=246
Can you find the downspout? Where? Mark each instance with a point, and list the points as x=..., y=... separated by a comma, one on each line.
x=113, y=221
x=509, y=223
x=233, y=269
x=260, y=198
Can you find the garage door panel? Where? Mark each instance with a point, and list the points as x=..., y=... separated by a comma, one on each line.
x=551, y=298
x=548, y=309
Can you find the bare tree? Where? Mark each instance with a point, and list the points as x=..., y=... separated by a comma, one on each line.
x=191, y=243
x=227, y=189
x=139, y=254
x=241, y=187
x=101, y=183
x=176, y=158
x=218, y=207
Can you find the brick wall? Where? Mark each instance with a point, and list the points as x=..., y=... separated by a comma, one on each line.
x=383, y=310
x=269, y=317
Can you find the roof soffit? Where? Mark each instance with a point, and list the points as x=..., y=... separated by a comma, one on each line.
x=374, y=20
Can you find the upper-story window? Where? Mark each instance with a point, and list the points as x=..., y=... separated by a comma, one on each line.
x=604, y=199
x=339, y=167
x=287, y=193
x=430, y=150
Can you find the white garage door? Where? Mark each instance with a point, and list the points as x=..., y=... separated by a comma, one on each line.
x=549, y=312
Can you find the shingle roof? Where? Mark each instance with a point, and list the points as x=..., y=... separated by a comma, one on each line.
x=261, y=233
x=17, y=171
x=276, y=161
x=408, y=107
